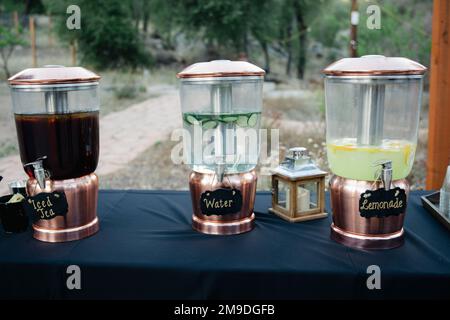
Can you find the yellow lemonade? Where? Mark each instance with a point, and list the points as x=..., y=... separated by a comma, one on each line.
x=350, y=160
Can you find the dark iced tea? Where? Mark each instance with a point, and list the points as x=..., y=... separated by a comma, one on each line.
x=70, y=142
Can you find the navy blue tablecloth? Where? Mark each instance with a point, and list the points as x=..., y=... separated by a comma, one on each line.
x=147, y=249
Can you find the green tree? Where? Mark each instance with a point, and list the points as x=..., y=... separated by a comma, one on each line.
x=225, y=26
x=405, y=31
x=305, y=13
x=107, y=38
x=221, y=22
x=9, y=40
x=264, y=25
x=164, y=15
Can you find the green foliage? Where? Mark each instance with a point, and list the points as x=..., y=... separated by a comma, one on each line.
x=127, y=91
x=226, y=24
x=25, y=7
x=9, y=39
x=107, y=38
x=109, y=35
x=333, y=18
x=7, y=148
x=164, y=16
x=402, y=32
x=222, y=21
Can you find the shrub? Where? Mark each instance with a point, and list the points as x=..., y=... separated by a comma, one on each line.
x=107, y=38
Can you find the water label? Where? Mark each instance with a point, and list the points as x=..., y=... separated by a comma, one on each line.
x=47, y=206
x=221, y=202
x=382, y=203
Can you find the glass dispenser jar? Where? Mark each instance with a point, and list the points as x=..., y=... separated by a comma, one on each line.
x=221, y=109
x=56, y=110
x=57, y=119
x=221, y=97
x=372, y=119
x=372, y=113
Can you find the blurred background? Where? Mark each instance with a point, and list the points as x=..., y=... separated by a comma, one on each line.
x=138, y=46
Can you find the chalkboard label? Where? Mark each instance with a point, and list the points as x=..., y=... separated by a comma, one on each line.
x=382, y=203
x=221, y=201
x=47, y=206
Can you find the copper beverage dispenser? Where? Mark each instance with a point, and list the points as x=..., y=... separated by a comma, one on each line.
x=221, y=104
x=372, y=117
x=56, y=111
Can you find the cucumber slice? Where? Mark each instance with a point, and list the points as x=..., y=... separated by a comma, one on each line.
x=229, y=119
x=209, y=124
x=242, y=121
x=252, y=120
x=191, y=119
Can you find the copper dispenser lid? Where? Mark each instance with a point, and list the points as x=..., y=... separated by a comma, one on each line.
x=374, y=65
x=53, y=75
x=221, y=69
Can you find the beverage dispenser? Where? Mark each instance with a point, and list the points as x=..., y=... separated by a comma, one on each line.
x=56, y=111
x=372, y=118
x=221, y=108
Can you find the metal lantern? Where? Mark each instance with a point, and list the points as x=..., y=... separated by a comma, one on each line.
x=298, y=188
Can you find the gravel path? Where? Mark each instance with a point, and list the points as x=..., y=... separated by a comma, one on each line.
x=123, y=135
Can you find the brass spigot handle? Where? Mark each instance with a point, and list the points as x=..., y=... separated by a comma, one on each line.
x=386, y=173
x=39, y=173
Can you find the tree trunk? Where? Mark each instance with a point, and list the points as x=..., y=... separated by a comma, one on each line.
x=145, y=19
x=301, y=29
x=27, y=7
x=6, y=70
x=245, y=46
x=265, y=49
x=289, y=49
x=5, y=57
x=137, y=23
x=135, y=7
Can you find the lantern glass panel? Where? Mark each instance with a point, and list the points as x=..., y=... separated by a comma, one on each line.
x=307, y=196
x=283, y=193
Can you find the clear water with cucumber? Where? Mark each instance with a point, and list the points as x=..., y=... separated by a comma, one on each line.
x=223, y=143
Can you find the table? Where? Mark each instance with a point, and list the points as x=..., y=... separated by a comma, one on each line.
x=146, y=249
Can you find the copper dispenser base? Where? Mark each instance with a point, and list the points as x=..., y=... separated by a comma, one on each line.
x=80, y=221
x=351, y=229
x=227, y=224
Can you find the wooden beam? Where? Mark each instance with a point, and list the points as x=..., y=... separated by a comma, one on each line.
x=439, y=114
x=73, y=52
x=16, y=21
x=33, y=42
x=354, y=19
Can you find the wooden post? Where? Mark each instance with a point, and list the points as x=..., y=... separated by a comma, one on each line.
x=73, y=51
x=16, y=21
x=33, y=42
x=439, y=114
x=354, y=20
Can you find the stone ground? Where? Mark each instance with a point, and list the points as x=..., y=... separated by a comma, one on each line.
x=123, y=134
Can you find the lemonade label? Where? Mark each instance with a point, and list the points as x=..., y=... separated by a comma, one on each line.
x=382, y=203
x=221, y=201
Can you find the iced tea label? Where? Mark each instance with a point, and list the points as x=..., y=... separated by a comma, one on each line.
x=221, y=201
x=382, y=203
x=46, y=206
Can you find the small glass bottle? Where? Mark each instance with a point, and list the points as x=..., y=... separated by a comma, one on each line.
x=444, y=200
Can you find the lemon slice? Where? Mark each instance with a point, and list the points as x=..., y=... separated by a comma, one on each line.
x=16, y=198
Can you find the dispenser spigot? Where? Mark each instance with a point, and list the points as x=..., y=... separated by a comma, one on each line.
x=386, y=172
x=39, y=173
